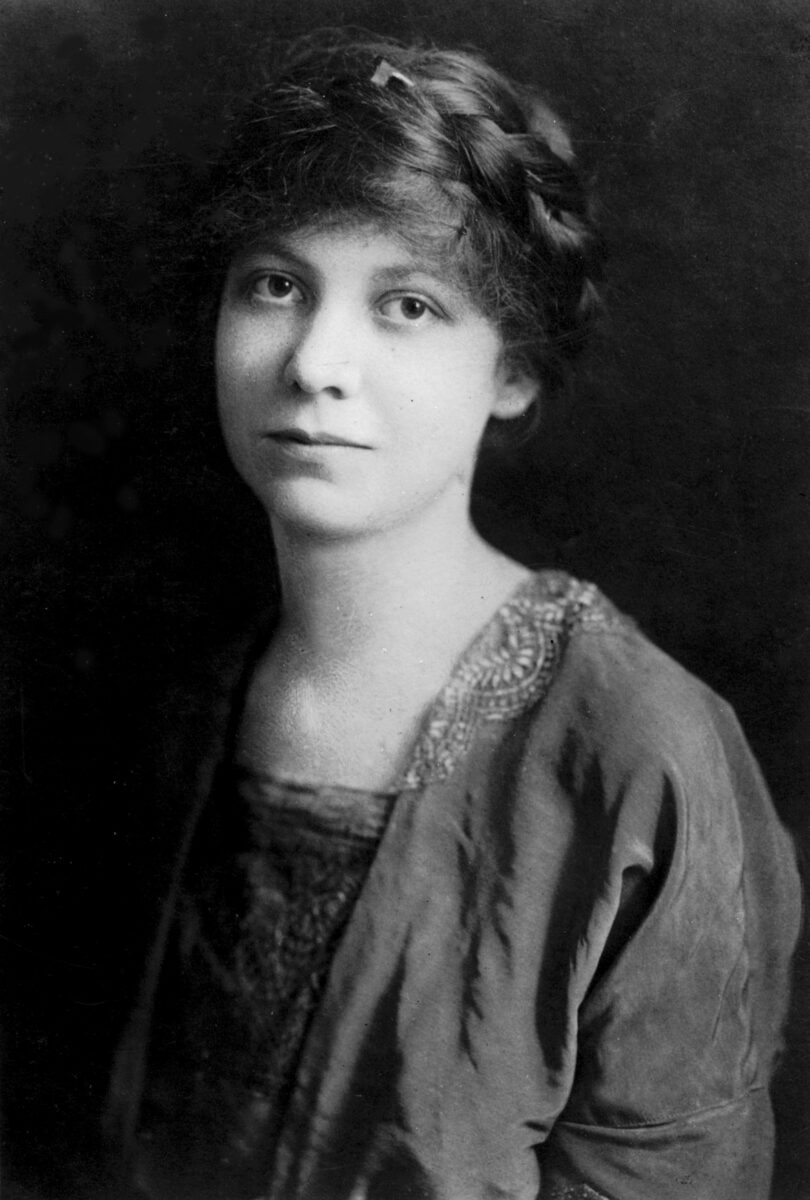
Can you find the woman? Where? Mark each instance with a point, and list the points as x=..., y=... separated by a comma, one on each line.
x=482, y=895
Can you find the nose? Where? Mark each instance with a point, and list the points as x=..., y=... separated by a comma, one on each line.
x=324, y=358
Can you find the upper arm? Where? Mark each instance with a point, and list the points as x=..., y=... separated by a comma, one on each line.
x=678, y=1021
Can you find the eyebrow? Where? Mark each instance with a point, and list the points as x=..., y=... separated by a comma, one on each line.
x=398, y=272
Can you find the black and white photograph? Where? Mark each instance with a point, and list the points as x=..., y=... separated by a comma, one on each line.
x=405, y=545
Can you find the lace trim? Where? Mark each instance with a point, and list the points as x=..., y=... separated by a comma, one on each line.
x=572, y=1191
x=508, y=667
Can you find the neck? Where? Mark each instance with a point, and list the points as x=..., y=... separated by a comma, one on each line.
x=357, y=597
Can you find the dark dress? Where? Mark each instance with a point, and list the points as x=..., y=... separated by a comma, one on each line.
x=271, y=881
x=555, y=963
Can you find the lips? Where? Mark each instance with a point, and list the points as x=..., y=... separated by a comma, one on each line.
x=303, y=437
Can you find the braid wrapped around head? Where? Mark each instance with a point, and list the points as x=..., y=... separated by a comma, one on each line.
x=437, y=148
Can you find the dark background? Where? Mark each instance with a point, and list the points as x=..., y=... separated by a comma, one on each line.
x=677, y=477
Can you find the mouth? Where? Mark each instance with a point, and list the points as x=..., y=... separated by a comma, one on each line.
x=301, y=437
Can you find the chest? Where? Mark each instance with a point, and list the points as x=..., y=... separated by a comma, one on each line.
x=353, y=729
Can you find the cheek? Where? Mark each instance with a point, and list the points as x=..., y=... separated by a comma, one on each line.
x=235, y=433
x=231, y=394
x=233, y=357
x=237, y=389
x=226, y=369
x=246, y=354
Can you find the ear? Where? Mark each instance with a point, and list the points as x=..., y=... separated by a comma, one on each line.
x=517, y=391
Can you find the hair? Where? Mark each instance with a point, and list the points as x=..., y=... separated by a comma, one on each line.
x=435, y=147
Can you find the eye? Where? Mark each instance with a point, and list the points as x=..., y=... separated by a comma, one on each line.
x=272, y=287
x=408, y=310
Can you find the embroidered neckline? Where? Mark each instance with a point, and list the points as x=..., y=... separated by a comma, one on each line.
x=507, y=668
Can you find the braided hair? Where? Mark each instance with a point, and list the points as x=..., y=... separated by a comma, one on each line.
x=436, y=147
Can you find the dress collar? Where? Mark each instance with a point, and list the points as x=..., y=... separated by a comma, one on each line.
x=508, y=667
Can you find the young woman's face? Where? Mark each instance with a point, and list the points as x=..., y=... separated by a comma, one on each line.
x=354, y=382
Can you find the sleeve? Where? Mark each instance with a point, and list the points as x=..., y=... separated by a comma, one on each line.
x=678, y=1025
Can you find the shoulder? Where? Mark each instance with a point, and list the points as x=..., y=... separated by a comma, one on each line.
x=204, y=687
x=193, y=717
x=597, y=723
x=651, y=769
x=558, y=665
x=560, y=651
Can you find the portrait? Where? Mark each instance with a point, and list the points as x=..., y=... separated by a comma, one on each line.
x=406, y=545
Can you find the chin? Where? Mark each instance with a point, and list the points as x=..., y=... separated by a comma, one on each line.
x=318, y=510
x=317, y=522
